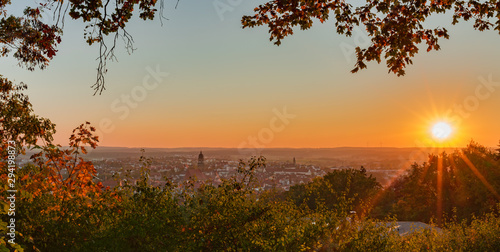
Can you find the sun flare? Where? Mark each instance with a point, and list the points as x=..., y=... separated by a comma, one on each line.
x=441, y=130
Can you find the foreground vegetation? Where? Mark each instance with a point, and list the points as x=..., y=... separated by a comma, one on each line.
x=59, y=206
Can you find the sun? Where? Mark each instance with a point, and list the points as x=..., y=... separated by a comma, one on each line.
x=441, y=130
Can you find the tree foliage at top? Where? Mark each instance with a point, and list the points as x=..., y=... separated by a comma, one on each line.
x=394, y=26
x=33, y=42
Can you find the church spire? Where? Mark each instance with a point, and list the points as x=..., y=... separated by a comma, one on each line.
x=201, y=161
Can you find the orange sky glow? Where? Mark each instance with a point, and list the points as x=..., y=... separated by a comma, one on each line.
x=199, y=81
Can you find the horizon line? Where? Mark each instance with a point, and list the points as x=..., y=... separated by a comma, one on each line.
x=268, y=148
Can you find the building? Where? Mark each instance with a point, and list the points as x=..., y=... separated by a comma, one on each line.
x=201, y=161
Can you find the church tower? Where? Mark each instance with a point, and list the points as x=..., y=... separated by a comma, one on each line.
x=201, y=161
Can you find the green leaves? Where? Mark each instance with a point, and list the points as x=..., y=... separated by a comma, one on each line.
x=18, y=123
x=339, y=191
x=465, y=180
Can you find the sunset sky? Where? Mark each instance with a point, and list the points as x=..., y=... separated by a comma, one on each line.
x=226, y=84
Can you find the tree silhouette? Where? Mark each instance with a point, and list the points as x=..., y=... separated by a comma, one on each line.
x=464, y=184
x=498, y=151
x=395, y=27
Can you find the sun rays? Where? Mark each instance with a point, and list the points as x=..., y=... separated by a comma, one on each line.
x=448, y=180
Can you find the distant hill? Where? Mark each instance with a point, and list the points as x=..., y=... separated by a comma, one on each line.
x=322, y=156
x=370, y=157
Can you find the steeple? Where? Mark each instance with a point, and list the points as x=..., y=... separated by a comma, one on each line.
x=201, y=161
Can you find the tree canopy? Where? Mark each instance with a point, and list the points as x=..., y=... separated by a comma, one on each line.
x=462, y=184
x=33, y=41
x=394, y=26
x=18, y=122
x=340, y=190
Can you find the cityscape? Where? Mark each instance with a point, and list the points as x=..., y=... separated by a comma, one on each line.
x=281, y=171
x=231, y=125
